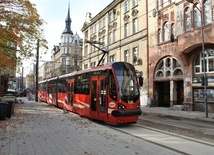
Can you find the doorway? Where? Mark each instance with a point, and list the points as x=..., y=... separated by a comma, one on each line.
x=180, y=92
x=163, y=94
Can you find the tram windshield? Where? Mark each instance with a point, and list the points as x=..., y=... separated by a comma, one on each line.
x=127, y=82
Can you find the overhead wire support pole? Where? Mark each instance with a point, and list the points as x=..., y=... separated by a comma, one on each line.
x=205, y=82
x=92, y=43
x=37, y=72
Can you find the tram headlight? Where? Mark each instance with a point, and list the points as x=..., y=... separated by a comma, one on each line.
x=138, y=106
x=120, y=106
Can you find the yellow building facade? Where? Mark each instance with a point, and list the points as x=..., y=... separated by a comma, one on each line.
x=122, y=27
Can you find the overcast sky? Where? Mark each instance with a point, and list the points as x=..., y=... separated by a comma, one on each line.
x=54, y=12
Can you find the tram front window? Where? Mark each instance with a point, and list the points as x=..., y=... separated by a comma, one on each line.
x=127, y=82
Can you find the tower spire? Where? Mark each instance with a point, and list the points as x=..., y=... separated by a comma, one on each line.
x=68, y=23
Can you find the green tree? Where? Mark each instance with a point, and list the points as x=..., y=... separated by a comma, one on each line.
x=20, y=28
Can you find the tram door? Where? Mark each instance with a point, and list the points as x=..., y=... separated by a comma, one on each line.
x=98, y=97
x=70, y=91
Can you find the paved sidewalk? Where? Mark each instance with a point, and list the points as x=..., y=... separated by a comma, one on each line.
x=192, y=115
x=40, y=129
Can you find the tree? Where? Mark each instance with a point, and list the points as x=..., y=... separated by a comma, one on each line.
x=20, y=28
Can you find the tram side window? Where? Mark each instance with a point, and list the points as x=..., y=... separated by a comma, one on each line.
x=62, y=86
x=82, y=84
x=112, y=87
x=40, y=87
x=53, y=86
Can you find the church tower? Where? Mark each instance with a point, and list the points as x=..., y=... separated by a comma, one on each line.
x=68, y=24
x=66, y=55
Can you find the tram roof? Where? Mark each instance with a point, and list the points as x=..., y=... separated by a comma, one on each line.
x=96, y=68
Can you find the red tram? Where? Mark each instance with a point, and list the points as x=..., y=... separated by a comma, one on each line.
x=108, y=93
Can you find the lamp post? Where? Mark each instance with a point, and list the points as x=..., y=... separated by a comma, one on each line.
x=204, y=60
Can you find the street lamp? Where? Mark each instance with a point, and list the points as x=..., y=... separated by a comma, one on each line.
x=204, y=63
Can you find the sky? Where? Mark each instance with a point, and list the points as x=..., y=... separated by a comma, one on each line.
x=54, y=12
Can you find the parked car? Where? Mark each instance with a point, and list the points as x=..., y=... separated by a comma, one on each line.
x=12, y=91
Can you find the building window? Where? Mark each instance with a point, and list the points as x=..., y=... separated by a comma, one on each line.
x=85, y=66
x=63, y=61
x=86, y=51
x=126, y=56
x=159, y=4
x=173, y=31
x=110, y=17
x=209, y=62
x=134, y=3
x=159, y=36
x=93, y=49
x=95, y=28
x=165, y=3
x=197, y=16
x=135, y=25
x=103, y=39
x=166, y=31
x=86, y=34
x=126, y=29
x=115, y=15
x=68, y=50
x=112, y=58
x=102, y=23
x=135, y=55
x=126, y=6
x=187, y=18
x=93, y=64
x=114, y=36
x=207, y=12
x=110, y=37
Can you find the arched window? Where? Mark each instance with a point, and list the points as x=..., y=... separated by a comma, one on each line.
x=197, y=16
x=207, y=12
x=159, y=36
x=209, y=62
x=187, y=18
x=166, y=31
x=168, y=67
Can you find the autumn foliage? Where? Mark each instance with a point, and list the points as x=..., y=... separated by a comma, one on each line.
x=20, y=28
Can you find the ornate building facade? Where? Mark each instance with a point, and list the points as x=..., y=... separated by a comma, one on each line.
x=179, y=59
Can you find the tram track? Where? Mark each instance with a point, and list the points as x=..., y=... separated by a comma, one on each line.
x=171, y=141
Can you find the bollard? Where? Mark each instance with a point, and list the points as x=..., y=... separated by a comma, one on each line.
x=10, y=107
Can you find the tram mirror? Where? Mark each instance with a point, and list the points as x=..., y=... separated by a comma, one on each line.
x=131, y=84
x=107, y=71
x=141, y=81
